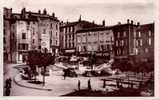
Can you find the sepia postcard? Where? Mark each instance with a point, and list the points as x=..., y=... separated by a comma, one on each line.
x=100, y=49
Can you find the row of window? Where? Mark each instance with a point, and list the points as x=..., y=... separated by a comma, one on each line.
x=121, y=52
x=100, y=48
x=23, y=46
x=68, y=29
x=140, y=51
x=139, y=42
x=121, y=34
x=51, y=25
x=52, y=35
x=69, y=45
x=138, y=34
x=94, y=39
x=121, y=43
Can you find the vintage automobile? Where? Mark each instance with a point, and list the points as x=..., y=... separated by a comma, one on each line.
x=70, y=72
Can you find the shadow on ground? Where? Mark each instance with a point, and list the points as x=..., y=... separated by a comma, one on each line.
x=120, y=92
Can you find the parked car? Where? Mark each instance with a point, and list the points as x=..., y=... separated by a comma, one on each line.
x=70, y=72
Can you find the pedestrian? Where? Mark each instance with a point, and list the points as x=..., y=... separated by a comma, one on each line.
x=89, y=85
x=117, y=83
x=131, y=84
x=8, y=86
x=104, y=83
x=79, y=85
x=64, y=75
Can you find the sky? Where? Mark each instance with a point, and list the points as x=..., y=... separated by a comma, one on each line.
x=112, y=11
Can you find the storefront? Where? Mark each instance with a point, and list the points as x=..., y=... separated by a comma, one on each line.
x=69, y=52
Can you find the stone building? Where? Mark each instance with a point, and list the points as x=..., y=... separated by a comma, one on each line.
x=9, y=37
x=68, y=35
x=123, y=42
x=33, y=31
x=134, y=41
x=98, y=41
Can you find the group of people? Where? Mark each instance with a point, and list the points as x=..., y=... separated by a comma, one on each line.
x=8, y=84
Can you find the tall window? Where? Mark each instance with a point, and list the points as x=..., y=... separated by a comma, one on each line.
x=44, y=31
x=50, y=34
x=23, y=35
x=122, y=42
x=64, y=30
x=146, y=50
x=23, y=46
x=56, y=27
x=135, y=34
x=149, y=33
x=56, y=42
x=116, y=43
x=141, y=42
x=149, y=41
x=118, y=34
x=33, y=41
x=139, y=34
x=56, y=34
x=124, y=34
x=137, y=43
x=51, y=25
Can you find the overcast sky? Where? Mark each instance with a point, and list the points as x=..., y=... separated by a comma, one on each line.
x=112, y=11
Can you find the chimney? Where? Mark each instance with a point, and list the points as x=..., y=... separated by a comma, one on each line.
x=93, y=21
x=138, y=23
x=80, y=18
x=103, y=22
x=39, y=11
x=119, y=23
x=53, y=14
x=44, y=11
x=23, y=10
x=131, y=21
x=128, y=21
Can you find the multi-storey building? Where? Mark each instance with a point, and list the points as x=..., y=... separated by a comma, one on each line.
x=95, y=40
x=134, y=40
x=144, y=42
x=34, y=31
x=123, y=44
x=68, y=33
x=9, y=37
x=6, y=30
x=121, y=41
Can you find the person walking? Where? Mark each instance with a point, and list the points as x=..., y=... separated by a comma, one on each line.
x=89, y=85
x=79, y=85
x=64, y=75
x=8, y=86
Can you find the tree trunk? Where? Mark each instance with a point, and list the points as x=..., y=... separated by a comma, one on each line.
x=44, y=76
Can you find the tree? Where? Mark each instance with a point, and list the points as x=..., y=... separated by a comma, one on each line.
x=41, y=60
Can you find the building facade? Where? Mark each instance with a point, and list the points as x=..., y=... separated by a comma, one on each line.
x=68, y=35
x=134, y=41
x=144, y=42
x=33, y=31
x=6, y=31
x=9, y=37
x=127, y=41
x=98, y=41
